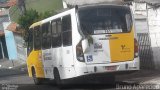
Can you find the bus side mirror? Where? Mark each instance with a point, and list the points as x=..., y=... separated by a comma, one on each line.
x=85, y=45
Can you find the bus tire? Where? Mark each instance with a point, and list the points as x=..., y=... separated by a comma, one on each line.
x=37, y=81
x=57, y=77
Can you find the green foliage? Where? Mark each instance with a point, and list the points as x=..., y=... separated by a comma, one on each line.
x=26, y=20
x=29, y=17
x=90, y=39
x=39, y=5
x=45, y=15
x=36, y=11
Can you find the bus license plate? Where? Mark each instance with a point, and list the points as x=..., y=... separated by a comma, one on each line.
x=111, y=68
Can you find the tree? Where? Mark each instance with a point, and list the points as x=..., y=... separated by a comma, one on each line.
x=28, y=18
x=45, y=15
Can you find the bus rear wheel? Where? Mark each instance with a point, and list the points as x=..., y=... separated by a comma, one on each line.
x=57, y=78
x=37, y=81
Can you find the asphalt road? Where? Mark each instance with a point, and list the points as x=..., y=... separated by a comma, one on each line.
x=23, y=82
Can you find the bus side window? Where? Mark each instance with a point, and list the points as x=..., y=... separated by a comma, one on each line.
x=30, y=41
x=46, y=36
x=67, y=31
x=56, y=33
x=37, y=38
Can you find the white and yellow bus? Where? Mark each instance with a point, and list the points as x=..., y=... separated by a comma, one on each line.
x=83, y=41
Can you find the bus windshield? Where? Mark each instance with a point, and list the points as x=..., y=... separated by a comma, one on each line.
x=105, y=20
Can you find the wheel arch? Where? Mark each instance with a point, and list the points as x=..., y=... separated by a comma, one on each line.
x=33, y=68
x=55, y=69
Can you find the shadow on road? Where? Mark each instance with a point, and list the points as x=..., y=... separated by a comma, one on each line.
x=74, y=86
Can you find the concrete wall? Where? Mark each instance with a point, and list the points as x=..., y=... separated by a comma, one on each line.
x=154, y=30
x=21, y=51
x=142, y=30
x=140, y=15
x=10, y=42
x=143, y=11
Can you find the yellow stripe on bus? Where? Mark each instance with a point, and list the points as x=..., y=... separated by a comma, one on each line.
x=35, y=24
x=122, y=46
x=33, y=61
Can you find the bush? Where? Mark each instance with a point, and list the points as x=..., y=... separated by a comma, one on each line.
x=29, y=17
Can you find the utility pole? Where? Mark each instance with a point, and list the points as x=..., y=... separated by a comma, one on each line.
x=21, y=6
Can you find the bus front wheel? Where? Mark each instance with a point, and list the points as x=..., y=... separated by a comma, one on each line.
x=36, y=80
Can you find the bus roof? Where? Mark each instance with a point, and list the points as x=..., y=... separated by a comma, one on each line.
x=50, y=18
x=65, y=10
x=35, y=24
x=100, y=4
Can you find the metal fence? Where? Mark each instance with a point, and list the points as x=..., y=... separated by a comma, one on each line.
x=145, y=51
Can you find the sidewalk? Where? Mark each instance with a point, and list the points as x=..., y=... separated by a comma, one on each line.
x=15, y=67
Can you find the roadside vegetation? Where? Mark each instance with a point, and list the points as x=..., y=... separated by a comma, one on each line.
x=36, y=10
x=40, y=6
x=29, y=17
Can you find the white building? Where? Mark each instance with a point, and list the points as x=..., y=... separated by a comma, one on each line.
x=147, y=16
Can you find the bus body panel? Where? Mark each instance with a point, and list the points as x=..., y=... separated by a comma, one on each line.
x=47, y=63
x=56, y=56
x=80, y=67
x=67, y=57
x=35, y=62
x=122, y=47
x=98, y=52
x=110, y=48
x=60, y=57
x=66, y=65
